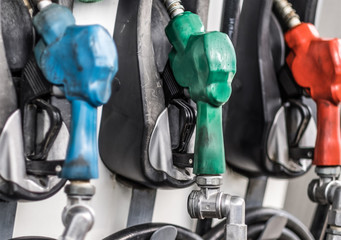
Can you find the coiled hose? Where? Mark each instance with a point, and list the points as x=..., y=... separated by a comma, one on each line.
x=256, y=219
x=145, y=231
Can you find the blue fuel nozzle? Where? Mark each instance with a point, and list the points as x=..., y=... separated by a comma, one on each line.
x=82, y=60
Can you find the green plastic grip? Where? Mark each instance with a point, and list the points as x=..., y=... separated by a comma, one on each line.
x=205, y=63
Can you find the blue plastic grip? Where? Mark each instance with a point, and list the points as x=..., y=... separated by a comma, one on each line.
x=82, y=154
x=83, y=61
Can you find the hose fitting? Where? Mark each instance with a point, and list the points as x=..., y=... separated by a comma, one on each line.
x=210, y=202
x=174, y=7
x=78, y=217
x=286, y=13
x=42, y=3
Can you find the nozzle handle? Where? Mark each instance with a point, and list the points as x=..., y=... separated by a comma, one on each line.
x=209, y=157
x=328, y=141
x=82, y=155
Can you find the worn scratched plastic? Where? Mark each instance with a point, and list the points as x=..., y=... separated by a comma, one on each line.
x=82, y=60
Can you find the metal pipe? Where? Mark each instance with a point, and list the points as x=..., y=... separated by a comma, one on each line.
x=256, y=218
x=327, y=191
x=78, y=217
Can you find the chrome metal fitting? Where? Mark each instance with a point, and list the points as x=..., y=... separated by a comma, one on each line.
x=78, y=220
x=174, y=7
x=83, y=189
x=236, y=214
x=78, y=217
x=208, y=203
x=42, y=3
x=235, y=231
x=334, y=215
x=328, y=172
x=323, y=190
x=209, y=180
x=212, y=203
x=287, y=14
x=333, y=234
x=327, y=190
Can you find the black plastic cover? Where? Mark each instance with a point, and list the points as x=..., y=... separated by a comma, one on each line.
x=137, y=100
x=257, y=94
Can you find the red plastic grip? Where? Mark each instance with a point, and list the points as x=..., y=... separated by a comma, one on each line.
x=316, y=66
x=327, y=149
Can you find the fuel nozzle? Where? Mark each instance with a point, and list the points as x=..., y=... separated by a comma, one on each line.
x=82, y=62
x=205, y=63
x=315, y=64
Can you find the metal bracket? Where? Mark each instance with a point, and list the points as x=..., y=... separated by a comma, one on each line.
x=255, y=191
x=141, y=206
x=8, y=211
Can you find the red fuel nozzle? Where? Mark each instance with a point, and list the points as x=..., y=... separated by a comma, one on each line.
x=316, y=66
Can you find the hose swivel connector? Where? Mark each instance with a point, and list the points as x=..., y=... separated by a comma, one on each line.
x=42, y=3
x=174, y=7
x=78, y=217
x=286, y=13
x=210, y=202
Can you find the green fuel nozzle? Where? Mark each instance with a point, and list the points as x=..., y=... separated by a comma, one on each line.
x=205, y=63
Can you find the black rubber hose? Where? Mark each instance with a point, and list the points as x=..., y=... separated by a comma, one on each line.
x=203, y=226
x=32, y=238
x=145, y=231
x=230, y=19
x=257, y=215
x=13, y=192
x=254, y=232
x=216, y=233
x=256, y=219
